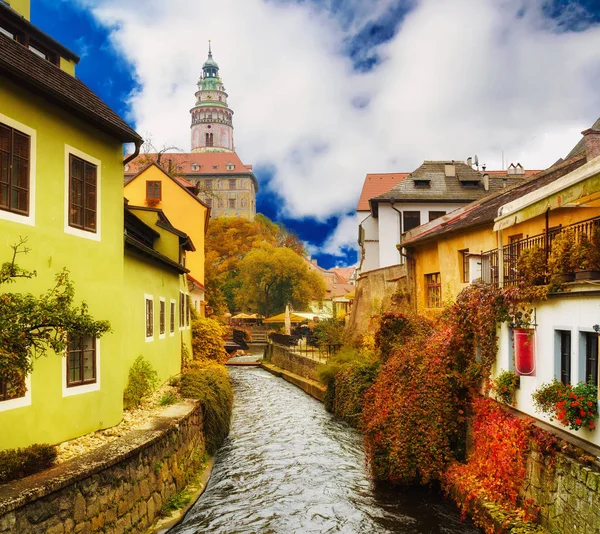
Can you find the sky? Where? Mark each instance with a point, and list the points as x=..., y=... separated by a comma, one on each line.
x=326, y=91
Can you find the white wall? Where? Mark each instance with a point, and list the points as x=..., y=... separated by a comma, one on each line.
x=389, y=225
x=576, y=314
x=370, y=226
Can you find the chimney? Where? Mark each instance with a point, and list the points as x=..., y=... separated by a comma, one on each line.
x=591, y=138
x=486, y=181
x=450, y=170
x=470, y=162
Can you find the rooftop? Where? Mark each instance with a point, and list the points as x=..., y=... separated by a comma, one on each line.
x=377, y=184
x=42, y=77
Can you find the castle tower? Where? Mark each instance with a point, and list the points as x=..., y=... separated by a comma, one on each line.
x=212, y=127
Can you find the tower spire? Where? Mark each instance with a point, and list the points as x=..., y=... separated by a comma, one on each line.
x=209, y=50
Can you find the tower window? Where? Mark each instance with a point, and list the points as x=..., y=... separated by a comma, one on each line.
x=209, y=139
x=232, y=184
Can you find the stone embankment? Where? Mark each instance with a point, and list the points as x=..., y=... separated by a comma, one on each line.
x=118, y=488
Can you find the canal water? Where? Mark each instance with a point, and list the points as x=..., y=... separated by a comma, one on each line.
x=289, y=467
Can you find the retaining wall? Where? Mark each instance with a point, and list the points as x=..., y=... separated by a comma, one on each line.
x=295, y=363
x=118, y=488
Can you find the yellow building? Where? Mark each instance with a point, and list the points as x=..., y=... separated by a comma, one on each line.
x=154, y=188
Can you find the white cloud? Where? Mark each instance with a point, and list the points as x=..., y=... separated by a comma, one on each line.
x=459, y=78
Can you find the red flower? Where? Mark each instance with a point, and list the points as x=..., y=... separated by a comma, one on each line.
x=577, y=421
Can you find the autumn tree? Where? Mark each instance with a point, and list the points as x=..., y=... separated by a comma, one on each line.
x=270, y=277
x=228, y=240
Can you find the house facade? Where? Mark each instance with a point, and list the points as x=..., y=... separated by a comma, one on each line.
x=154, y=187
x=433, y=190
x=483, y=241
x=61, y=188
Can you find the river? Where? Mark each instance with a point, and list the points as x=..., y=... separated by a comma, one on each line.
x=288, y=466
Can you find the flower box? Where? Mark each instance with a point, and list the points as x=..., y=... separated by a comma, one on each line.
x=587, y=275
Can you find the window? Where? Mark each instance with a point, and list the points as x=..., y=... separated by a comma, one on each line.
x=230, y=166
x=208, y=185
x=195, y=167
x=14, y=170
x=232, y=202
x=181, y=310
x=81, y=361
x=411, y=219
x=187, y=310
x=149, y=318
x=172, y=318
x=82, y=194
x=209, y=139
x=436, y=215
x=564, y=340
x=162, y=317
x=9, y=391
x=591, y=358
x=232, y=184
x=433, y=283
x=153, y=190
x=466, y=274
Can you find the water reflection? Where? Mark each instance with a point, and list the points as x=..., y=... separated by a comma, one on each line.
x=289, y=467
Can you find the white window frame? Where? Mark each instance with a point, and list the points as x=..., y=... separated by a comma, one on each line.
x=84, y=388
x=15, y=217
x=20, y=402
x=151, y=298
x=162, y=336
x=97, y=235
x=171, y=334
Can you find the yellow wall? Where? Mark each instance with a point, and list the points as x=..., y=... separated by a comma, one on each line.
x=183, y=211
x=20, y=6
x=443, y=256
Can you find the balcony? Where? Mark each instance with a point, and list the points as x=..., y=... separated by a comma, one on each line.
x=512, y=251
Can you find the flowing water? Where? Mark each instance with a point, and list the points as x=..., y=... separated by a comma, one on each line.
x=288, y=467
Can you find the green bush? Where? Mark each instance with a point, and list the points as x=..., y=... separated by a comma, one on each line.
x=329, y=331
x=547, y=395
x=347, y=376
x=19, y=463
x=505, y=386
x=143, y=379
x=168, y=398
x=212, y=387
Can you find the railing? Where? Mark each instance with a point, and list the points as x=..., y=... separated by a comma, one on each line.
x=512, y=251
x=306, y=346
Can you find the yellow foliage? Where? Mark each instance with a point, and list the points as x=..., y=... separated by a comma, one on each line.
x=207, y=343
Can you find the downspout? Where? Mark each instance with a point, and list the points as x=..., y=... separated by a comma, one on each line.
x=136, y=152
x=400, y=227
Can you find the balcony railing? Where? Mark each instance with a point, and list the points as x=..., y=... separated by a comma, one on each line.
x=512, y=251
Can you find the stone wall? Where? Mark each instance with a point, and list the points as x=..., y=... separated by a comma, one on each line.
x=118, y=488
x=295, y=363
x=567, y=492
x=378, y=291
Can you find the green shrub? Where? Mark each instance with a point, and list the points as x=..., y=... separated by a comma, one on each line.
x=505, y=386
x=168, y=398
x=143, y=379
x=212, y=387
x=547, y=395
x=176, y=502
x=19, y=463
x=207, y=341
x=329, y=331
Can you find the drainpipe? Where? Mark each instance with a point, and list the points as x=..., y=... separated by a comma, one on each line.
x=400, y=227
x=136, y=152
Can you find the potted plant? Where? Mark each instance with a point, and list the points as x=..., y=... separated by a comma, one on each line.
x=531, y=266
x=520, y=313
x=561, y=261
x=587, y=256
x=505, y=386
x=574, y=406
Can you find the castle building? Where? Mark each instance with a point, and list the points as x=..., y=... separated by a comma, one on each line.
x=212, y=166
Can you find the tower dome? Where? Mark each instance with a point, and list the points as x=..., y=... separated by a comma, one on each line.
x=212, y=126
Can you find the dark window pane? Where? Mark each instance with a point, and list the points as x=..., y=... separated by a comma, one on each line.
x=565, y=357
x=4, y=167
x=14, y=170
x=21, y=145
x=4, y=195
x=411, y=219
x=591, y=358
x=436, y=215
x=4, y=138
x=82, y=194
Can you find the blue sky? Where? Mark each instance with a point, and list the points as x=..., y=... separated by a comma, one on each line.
x=326, y=91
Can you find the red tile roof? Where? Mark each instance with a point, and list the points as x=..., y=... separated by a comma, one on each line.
x=342, y=274
x=377, y=184
x=183, y=162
